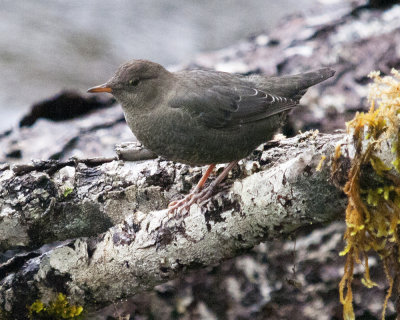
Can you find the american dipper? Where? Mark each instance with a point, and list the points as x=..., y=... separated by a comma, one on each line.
x=204, y=117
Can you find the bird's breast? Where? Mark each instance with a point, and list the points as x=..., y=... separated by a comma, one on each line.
x=179, y=137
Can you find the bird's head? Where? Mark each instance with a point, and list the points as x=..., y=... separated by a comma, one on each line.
x=135, y=82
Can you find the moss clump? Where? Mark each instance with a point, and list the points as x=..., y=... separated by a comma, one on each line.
x=67, y=192
x=321, y=162
x=60, y=308
x=373, y=212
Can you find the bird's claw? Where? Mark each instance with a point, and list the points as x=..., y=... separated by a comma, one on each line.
x=183, y=205
x=179, y=205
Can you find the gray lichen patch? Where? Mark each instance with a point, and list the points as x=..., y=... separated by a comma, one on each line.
x=132, y=199
x=277, y=198
x=12, y=233
x=65, y=180
x=22, y=200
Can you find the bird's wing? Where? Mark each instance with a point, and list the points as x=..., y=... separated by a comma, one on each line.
x=228, y=107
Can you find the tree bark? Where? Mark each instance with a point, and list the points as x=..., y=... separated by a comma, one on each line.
x=122, y=240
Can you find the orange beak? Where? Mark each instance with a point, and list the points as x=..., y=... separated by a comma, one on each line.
x=100, y=88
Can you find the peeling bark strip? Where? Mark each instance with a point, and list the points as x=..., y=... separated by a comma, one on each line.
x=123, y=247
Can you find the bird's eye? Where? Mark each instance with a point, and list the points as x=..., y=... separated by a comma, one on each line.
x=133, y=82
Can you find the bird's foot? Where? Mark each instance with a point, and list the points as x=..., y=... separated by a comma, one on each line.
x=196, y=196
x=200, y=194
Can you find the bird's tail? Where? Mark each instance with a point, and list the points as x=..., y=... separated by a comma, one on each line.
x=295, y=86
x=308, y=79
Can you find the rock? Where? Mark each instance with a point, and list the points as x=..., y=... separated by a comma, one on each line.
x=66, y=105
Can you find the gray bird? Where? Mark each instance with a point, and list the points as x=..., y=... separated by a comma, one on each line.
x=204, y=117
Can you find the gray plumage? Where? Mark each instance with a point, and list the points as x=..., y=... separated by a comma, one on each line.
x=203, y=117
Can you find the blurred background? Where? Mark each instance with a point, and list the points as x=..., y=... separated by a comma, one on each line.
x=50, y=45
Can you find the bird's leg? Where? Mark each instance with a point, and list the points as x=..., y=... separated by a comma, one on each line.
x=199, y=194
x=204, y=178
x=183, y=202
x=207, y=192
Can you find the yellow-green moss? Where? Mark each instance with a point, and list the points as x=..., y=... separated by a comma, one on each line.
x=373, y=214
x=67, y=192
x=321, y=162
x=60, y=308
